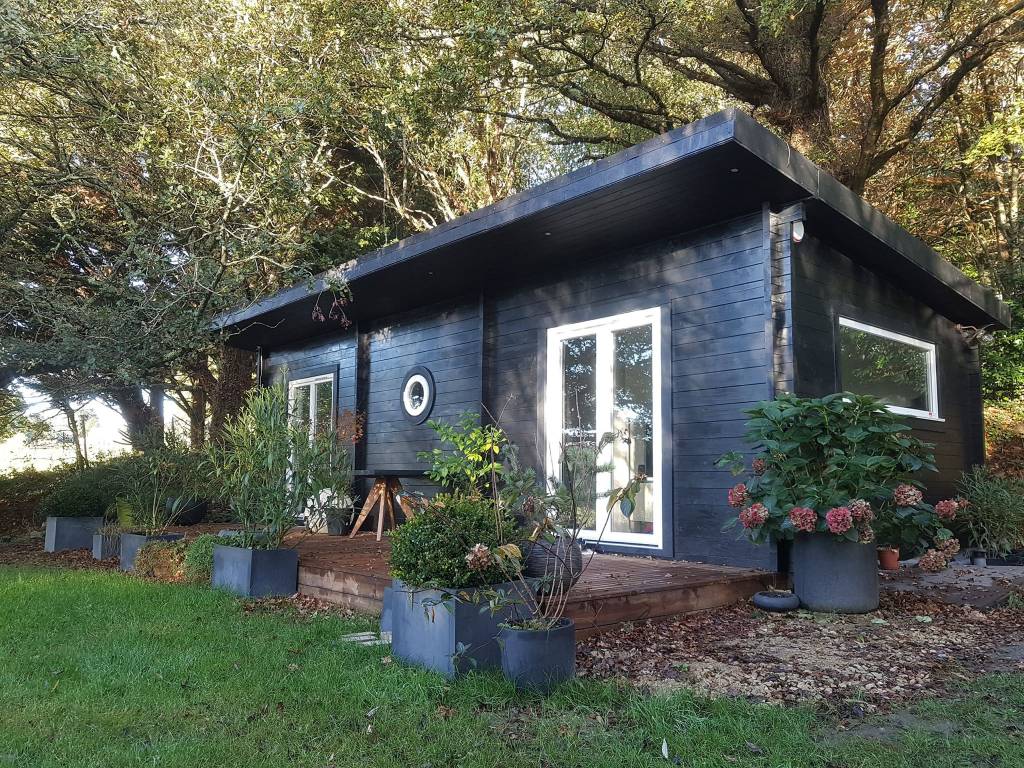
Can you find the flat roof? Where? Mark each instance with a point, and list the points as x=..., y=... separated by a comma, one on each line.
x=706, y=172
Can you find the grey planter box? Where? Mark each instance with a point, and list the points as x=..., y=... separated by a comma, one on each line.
x=256, y=572
x=105, y=547
x=835, y=576
x=538, y=660
x=70, y=532
x=131, y=543
x=433, y=628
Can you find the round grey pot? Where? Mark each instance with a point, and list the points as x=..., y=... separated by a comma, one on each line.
x=776, y=602
x=539, y=659
x=835, y=576
x=557, y=563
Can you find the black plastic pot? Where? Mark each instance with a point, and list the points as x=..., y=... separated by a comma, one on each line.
x=105, y=547
x=190, y=512
x=339, y=523
x=835, y=576
x=131, y=543
x=70, y=532
x=776, y=602
x=450, y=631
x=256, y=572
x=539, y=659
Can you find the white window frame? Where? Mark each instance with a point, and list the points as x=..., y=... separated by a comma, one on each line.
x=295, y=384
x=932, y=413
x=553, y=413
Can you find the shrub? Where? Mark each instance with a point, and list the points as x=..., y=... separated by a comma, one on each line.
x=162, y=560
x=197, y=565
x=272, y=471
x=430, y=550
x=88, y=492
x=148, y=481
x=826, y=465
x=993, y=520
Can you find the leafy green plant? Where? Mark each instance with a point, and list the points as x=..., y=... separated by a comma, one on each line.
x=197, y=563
x=272, y=470
x=823, y=465
x=87, y=492
x=993, y=520
x=431, y=549
x=156, y=484
x=472, y=460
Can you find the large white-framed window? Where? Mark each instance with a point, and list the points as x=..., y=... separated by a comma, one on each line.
x=604, y=376
x=899, y=370
x=311, y=402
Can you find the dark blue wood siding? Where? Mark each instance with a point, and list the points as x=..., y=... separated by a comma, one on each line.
x=715, y=284
x=332, y=351
x=827, y=285
x=446, y=340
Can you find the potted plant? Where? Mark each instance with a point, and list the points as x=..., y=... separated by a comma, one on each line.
x=906, y=523
x=106, y=542
x=538, y=644
x=440, y=615
x=992, y=524
x=272, y=472
x=74, y=509
x=822, y=467
x=160, y=470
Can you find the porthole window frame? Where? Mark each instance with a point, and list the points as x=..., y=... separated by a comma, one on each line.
x=417, y=374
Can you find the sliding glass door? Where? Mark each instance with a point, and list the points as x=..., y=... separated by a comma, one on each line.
x=603, y=377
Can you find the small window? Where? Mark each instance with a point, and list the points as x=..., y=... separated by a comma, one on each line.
x=898, y=370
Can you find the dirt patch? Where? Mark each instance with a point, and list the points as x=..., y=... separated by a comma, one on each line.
x=849, y=663
x=28, y=550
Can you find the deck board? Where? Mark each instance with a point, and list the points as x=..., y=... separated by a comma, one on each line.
x=614, y=589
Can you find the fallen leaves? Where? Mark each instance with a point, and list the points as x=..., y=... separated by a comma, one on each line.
x=848, y=663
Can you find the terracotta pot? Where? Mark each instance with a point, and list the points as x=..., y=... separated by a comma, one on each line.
x=889, y=558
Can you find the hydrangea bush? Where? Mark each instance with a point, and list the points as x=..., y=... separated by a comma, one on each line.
x=839, y=465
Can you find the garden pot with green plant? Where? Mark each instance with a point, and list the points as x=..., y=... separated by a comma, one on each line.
x=162, y=469
x=538, y=642
x=106, y=542
x=74, y=509
x=271, y=471
x=992, y=523
x=823, y=469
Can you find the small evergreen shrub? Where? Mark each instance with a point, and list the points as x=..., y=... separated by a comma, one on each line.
x=430, y=550
x=198, y=562
x=88, y=492
x=162, y=560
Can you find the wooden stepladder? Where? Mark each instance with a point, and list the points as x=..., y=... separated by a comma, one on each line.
x=383, y=496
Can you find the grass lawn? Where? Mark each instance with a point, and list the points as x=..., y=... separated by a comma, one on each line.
x=99, y=669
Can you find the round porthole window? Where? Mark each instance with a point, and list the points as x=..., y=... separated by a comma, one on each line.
x=418, y=394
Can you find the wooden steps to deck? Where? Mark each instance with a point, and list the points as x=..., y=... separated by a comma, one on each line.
x=614, y=589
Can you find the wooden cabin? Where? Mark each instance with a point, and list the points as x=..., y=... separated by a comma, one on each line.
x=656, y=293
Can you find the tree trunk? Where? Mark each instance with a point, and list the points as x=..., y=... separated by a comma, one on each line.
x=144, y=423
x=69, y=413
x=236, y=374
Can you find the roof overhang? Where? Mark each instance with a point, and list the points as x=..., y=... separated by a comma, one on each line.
x=709, y=171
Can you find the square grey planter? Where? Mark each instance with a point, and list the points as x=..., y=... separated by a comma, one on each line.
x=131, y=543
x=70, y=532
x=433, y=628
x=105, y=547
x=256, y=572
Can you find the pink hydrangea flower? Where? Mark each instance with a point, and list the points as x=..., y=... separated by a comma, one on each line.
x=906, y=496
x=947, y=509
x=738, y=496
x=839, y=519
x=754, y=516
x=759, y=466
x=804, y=519
x=867, y=535
x=933, y=561
x=861, y=511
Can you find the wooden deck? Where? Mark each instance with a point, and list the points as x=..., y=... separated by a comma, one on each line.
x=613, y=590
